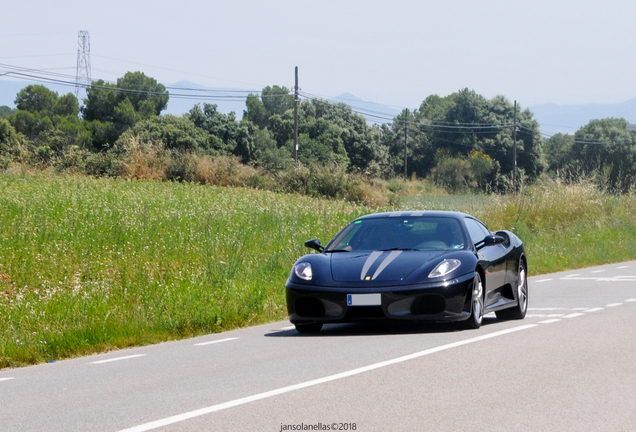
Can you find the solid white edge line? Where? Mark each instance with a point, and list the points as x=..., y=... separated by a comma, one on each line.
x=117, y=359
x=7, y=379
x=242, y=401
x=550, y=321
x=215, y=341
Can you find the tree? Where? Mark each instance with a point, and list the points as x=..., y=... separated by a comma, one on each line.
x=466, y=121
x=558, y=155
x=36, y=98
x=172, y=132
x=605, y=148
x=5, y=111
x=226, y=135
x=8, y=136
x=111, y=109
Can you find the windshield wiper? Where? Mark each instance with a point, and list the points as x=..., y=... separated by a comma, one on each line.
x=397, y=248
x=337, y=250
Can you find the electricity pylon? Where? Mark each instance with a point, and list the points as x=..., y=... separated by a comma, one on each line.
x=83, y=77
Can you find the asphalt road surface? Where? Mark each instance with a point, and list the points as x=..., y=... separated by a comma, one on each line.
x=570, y=365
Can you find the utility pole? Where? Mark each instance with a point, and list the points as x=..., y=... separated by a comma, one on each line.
x=514, y=151
x=406, y=131
x=83, y=74
x=296, y=119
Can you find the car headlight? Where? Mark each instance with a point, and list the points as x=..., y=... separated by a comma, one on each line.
x=303, y=270
x=444, y=268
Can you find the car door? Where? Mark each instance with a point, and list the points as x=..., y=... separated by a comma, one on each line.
x=495, y=255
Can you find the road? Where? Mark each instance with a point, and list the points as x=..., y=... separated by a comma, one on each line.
x=570, y=365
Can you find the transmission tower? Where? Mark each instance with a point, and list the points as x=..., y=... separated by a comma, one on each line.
x=83, y=77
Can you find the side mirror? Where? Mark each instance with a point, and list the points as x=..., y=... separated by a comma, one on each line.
x=314, y=244
x=490, y=240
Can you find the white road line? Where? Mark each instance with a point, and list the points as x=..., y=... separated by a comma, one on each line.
x=613, y=304
x=630, y=300
x=598, y=271
x=6, y=379
x=117, y=359
x=572, y=275
x=544, y=315
x=622, y=267
x=604, y=279
x=242, y=401
x=287, y=328
x=574, y=315
x=554, y=309
x=594, y=309
x=549, y=321
x=542, y=280
x=215, y=341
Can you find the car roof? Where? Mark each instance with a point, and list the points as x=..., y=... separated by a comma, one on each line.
x=414, y=213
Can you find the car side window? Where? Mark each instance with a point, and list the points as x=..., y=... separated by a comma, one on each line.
x=476, y=230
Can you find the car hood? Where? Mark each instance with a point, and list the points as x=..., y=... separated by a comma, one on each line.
x=378, y=266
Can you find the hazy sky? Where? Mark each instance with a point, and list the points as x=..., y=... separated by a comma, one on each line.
x=395, y=53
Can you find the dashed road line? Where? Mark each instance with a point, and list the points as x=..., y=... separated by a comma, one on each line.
x=542, y=280
x=117, y=359
x=550, y=321
x=572, y=275
x=574, y=315
x=215, y=341
x=287, y=328
x=595, y=309
x=613, y=304
x=544, y=315
x=622, y=267
x=630, y=300
x=7, y=379
x=598, y=271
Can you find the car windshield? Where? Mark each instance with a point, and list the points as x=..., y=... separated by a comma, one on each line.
x=399, y=233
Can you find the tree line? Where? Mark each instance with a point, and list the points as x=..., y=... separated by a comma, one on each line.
x=460, y=141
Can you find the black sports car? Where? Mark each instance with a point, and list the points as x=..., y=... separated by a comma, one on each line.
x=419, y=265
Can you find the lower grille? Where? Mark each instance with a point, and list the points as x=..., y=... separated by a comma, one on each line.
x=364, y=312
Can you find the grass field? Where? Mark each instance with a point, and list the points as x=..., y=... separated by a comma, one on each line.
x=88, y=265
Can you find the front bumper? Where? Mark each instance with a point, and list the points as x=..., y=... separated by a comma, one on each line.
x=447, y=301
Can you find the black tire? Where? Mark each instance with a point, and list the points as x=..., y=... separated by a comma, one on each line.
x=308, y=327
x=476, y=304
x=519, y=311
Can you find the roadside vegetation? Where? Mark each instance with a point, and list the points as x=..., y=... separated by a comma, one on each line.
x=89, y=265
x=120, y=226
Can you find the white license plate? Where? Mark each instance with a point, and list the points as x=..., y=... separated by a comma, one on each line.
x=364, y=300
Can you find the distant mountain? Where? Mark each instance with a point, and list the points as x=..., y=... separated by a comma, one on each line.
x=374, y=112
x=570, y=118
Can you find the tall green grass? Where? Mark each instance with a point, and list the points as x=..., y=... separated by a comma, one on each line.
x=88, y=265
x=562, y=226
